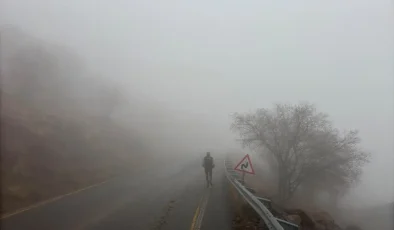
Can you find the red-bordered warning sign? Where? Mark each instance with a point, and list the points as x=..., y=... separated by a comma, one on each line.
x=245, y=165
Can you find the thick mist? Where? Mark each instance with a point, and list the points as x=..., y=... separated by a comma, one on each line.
x=186, y=66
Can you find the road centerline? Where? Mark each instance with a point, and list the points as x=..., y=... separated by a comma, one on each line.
x=200, y=211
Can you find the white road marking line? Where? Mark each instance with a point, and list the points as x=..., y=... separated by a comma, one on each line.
x=7, y=215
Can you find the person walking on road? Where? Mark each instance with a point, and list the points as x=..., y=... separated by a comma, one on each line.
x=208, y=166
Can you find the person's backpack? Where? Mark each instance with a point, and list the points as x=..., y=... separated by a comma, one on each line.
x=208, y=162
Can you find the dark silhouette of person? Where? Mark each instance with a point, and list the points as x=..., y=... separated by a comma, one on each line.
x=208, y=166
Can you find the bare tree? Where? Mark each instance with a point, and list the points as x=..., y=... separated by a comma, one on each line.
x=302, y=146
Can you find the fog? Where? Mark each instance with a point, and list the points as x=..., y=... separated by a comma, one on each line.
x=192, y=64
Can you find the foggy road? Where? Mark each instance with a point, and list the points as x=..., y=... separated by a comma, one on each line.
x=158, y=198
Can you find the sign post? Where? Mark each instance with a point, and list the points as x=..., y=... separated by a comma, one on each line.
x=245, y=166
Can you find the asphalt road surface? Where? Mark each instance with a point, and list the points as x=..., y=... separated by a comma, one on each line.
x=160, y=198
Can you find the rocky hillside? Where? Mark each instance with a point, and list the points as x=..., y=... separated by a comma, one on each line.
x=57, y=134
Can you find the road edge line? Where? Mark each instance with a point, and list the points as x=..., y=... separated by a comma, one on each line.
x=7, y=215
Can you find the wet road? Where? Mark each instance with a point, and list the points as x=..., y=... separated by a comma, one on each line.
x=158, y=198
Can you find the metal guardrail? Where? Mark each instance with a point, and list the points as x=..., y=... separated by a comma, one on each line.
x=257, y=203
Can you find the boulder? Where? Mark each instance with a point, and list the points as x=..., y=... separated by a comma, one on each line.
x=295, y=219
x=324, y=219
x=306, y=220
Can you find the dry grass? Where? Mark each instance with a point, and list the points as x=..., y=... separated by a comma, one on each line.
x=44, y=156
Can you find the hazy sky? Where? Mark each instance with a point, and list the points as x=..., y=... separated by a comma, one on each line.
x=208, y=59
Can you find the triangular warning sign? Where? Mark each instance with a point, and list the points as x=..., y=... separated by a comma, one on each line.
x=245, y=165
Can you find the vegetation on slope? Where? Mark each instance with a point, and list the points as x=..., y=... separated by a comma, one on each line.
x=57, y=134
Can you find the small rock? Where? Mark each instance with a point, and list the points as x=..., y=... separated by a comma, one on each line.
x=237, y=219
x=295, y=219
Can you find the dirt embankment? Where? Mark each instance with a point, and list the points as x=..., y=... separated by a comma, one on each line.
x=44, y=155
x=57, y=134
x=306, y=215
